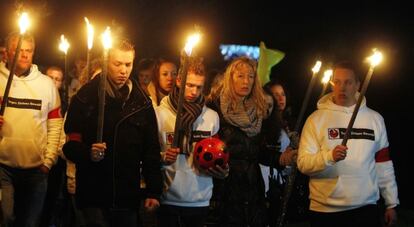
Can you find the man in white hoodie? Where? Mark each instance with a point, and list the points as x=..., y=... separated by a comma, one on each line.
x=29, y=135
x=345, y=181
x=187, y=189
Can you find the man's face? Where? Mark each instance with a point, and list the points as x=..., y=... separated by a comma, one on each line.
x=56, y=76
x=344, y=87
x=25, y=60
x=120, y=66
x=194, y=86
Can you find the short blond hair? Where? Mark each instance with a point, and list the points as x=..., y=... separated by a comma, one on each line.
x=14, y=36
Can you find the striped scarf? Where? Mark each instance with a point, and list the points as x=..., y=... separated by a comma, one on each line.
x=191, y=110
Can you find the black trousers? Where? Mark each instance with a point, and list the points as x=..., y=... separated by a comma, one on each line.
x=366, y=216
x=175, y=216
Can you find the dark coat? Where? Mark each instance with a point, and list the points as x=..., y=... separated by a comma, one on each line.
x=242, y=195
x=130, y=133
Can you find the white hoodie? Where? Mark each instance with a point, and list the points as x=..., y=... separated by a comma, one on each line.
x=32, y=121
x=184, y=185
x=357, y=180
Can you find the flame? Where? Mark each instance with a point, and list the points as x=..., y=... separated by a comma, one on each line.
x=64, y=44
x=191, y=42
x=317, y=67
x=90, y=30
x=106, y=38
x=327, y=76
x=24, y=22
x=375, y=58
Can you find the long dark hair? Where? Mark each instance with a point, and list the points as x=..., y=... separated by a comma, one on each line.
x=287, y=119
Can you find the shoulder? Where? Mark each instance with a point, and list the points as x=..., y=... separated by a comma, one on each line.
x=208, y=112
x=88, y=92
x=374, y=115
x=214, y=105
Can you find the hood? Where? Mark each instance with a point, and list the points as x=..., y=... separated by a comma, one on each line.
x=34, y=73
x=326, y=103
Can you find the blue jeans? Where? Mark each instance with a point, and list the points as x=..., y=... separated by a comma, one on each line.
x=23, y=194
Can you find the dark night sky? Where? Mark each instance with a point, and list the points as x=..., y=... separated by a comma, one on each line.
x=303, y=32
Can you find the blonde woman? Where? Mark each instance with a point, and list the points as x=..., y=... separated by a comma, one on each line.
x=242, y=106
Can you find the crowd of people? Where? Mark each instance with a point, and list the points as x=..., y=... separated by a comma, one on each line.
x=55, y=171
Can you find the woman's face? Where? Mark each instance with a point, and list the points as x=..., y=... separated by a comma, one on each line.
x=243, y=80
x=279, y=94
x=168, y=72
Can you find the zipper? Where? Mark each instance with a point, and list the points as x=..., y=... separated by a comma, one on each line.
x=114, y=146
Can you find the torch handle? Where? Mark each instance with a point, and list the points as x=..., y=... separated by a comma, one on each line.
x=88, y=65
x=101, y=99
x=294, y=143
x=357, y=105
x=182, y=73
x=10, y=78
x=325, y=86
x=305, y=103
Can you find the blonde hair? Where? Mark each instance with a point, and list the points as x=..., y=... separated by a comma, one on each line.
x=226, y=86
x=85, y=76
x=14, y=36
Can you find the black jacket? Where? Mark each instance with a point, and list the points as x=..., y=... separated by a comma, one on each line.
x=242, y=194
x=130, y=133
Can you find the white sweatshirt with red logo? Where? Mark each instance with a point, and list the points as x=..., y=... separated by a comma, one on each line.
x=367, y=169
x=184, y=184
x=32, y=121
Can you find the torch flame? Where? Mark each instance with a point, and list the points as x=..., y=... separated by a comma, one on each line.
x=106, y=38
x=24, y=23
x=327, y=76
x=191, y=42
x=64, y=44
x=90, y=30
x=375, y=58
x=317, y=67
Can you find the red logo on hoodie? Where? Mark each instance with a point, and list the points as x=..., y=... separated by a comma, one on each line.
x=333, y=133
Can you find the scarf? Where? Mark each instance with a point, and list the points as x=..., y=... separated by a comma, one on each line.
x=191, y=110
x=244, y=116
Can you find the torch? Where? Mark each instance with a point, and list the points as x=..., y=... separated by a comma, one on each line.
x=294, y=143
x=315, y=71
x=325, y=79
x=23, y=24
x=374, y=60
x=182, y=73
x=107, y=44
x=90, y=31
x=64, y=46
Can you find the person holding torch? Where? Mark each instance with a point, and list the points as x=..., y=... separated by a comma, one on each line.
x=346, y=179
x=30, y=126
x=107, y=166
